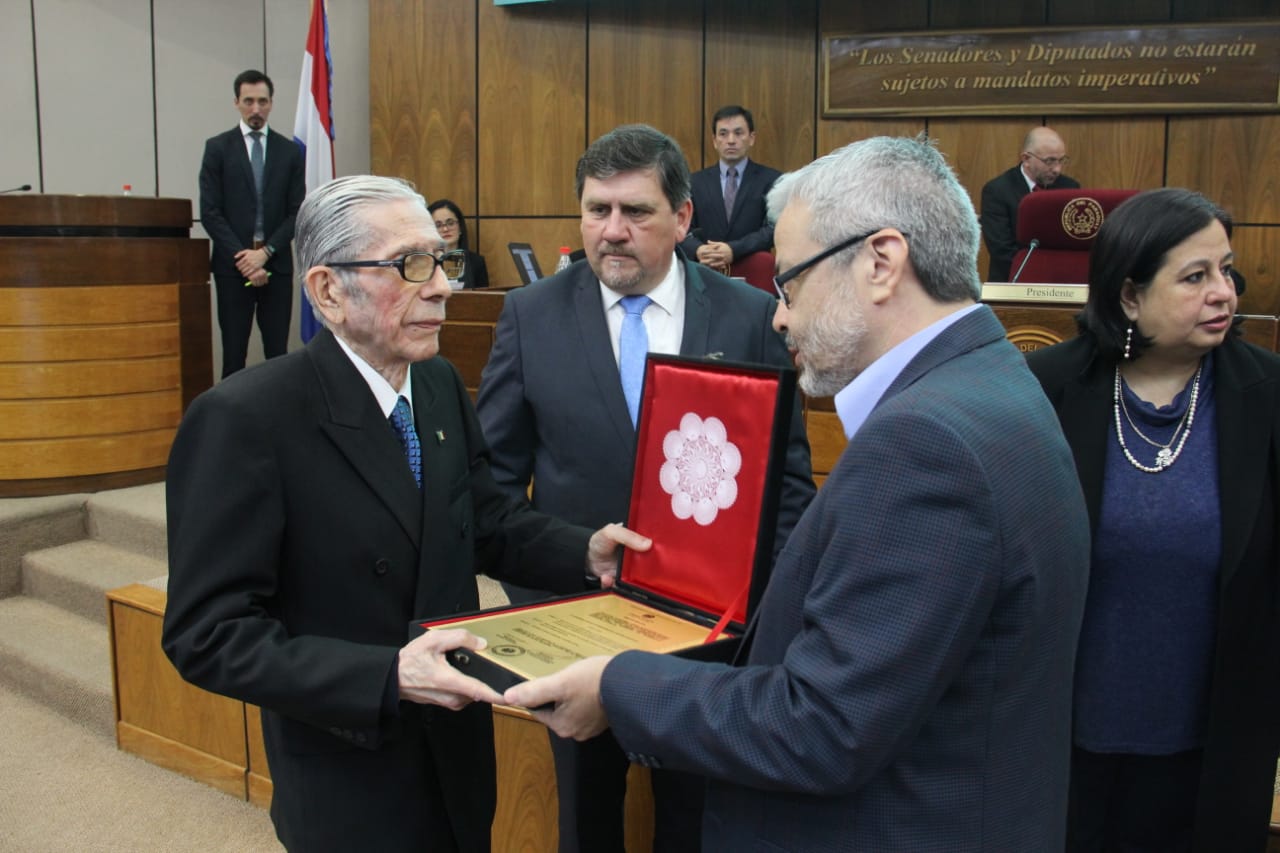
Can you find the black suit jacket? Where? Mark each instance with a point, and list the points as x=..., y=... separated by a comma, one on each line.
x=749, y=230
x=1234, y=806
x=229, y=202
x=551, y=402
x=299, y=550
x=1000, y=198
x=475, y=274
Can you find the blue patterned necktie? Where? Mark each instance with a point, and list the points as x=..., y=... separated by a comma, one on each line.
x=633, y=346
x=730, y=191
x=257, y=161
x=402, y=423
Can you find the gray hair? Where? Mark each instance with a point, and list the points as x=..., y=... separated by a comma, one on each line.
x=892, y=182
x=331, y=225
x=636, y=147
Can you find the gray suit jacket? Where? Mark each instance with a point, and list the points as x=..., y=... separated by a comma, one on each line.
x=909, y=684
x=551, y=403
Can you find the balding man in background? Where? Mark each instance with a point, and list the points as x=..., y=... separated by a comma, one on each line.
x=1044, y=156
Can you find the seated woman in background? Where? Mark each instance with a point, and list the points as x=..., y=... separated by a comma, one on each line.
x=1175, y=426
x=453, y=230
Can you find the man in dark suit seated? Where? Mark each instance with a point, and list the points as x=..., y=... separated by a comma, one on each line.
x=320, y=501
x=729, y=220
x=1040, y=165
x=557, y=409
x=252, y=180
x=907, y=684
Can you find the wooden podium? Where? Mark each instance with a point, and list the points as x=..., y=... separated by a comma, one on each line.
x=104, y=338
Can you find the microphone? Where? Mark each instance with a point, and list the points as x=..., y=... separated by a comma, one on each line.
x=1031, y=248
x=22, y=189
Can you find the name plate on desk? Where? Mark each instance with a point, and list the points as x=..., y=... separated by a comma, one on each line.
x=1059, y=294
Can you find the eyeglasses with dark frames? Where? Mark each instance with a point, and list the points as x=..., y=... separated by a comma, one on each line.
x=416, y=267
x=781, y=280
x=1051, y=162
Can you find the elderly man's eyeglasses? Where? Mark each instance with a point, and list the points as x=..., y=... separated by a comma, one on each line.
x=781, y=280
x=416, y=267
x=1051, y=162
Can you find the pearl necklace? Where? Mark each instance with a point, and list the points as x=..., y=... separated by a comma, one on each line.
x=1165, y=456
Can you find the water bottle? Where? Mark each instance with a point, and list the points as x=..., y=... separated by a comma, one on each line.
x=563, y=263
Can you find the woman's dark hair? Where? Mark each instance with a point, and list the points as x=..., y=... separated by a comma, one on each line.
x=1131, y=247
x=457, y=214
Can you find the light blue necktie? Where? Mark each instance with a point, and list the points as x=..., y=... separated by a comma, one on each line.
x=402, y=422
x=257, y=161
x=633, y=346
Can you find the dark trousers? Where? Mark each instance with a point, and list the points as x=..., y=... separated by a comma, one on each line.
x=236, y=305
x=1132, y=803
x=591, y=781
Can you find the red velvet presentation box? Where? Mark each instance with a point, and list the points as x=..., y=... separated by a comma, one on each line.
x=711, y=446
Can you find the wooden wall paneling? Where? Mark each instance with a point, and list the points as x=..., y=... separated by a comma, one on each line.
x=545, y=235
x=72, y=343
x=835, y=16
x=1100, y=12
x=1221, y=10
x=987, y=14
x=1257, y=249
x=836, y=133
x=61, y=418
x=1112, y=151
x=532, y=109
x=68, y=306
x=81, y=457
x=760, y=54
x=1231, y=159
x=422, y=87
x=87, y=378
x=645, y=65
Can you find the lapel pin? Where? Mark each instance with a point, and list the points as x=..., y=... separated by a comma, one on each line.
x=439, y=436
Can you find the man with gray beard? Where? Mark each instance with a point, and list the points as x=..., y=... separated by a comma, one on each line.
x=908, y=685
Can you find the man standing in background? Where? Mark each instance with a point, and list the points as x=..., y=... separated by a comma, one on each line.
x=252, y=181
x=729, y=217
x=1044, y=156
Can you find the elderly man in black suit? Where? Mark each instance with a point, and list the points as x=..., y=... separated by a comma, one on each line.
x=555, y=408
x=319, y=502
x=1044, y=156
x=252, y=180
x=729, y=218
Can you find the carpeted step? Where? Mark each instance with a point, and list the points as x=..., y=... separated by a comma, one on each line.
x=132, y=519
x=76, y=576
x=59, y=659
x=30, y=523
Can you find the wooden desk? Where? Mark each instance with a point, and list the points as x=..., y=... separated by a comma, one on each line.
x=104, y=339
x=218, y=741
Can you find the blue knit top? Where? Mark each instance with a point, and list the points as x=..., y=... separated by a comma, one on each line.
x=1146, y=645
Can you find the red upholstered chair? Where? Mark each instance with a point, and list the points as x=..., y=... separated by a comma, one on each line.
x=757, y=269
x=1065, y=223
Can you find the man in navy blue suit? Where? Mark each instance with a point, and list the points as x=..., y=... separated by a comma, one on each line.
x=729, y=218
x=555, y=414
x=909, y=673
x=252, y=181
